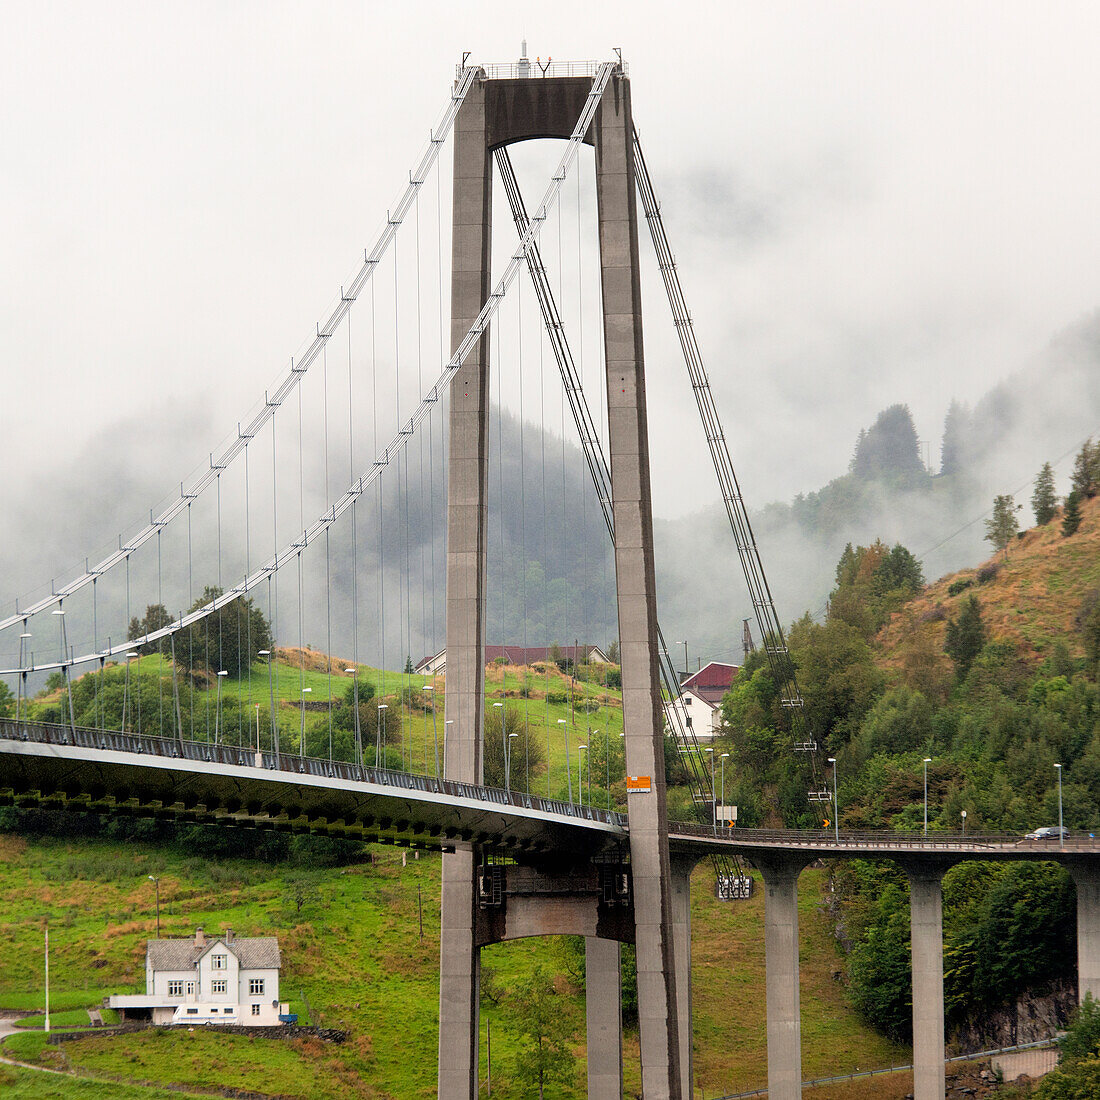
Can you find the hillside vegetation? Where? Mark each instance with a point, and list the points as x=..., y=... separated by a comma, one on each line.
x=354, y=958
x=987, y=678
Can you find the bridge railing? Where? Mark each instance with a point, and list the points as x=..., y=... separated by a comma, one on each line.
x=866, y=839
x=49, y=733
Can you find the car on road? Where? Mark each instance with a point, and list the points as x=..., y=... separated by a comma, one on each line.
x=1048, y=832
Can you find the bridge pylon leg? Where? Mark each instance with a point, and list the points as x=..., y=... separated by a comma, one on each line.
x=467, y=504
x=926, y=924
x=635, y=584
x=603, y=1005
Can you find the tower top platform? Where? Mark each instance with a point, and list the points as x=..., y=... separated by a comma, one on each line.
x=537, y=69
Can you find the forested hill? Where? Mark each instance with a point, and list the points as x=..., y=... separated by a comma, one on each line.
x=987, y=678
x=930, y=497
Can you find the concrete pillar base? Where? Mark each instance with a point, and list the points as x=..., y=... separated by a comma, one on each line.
x=681, y=947
x=1086, y=875
x=781, y=960
x=603, y=1005
x=926, y=937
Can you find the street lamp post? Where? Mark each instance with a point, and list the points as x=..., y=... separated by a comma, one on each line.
x=508, y=762
x=446, y=722
x=378, y=735
x=710, y=765
x=156, y=882
x=217, y=706
x=354, y=672
x=503, y=741
x=724, y=758
x=1061, y=835
x=568, y=772
x=836, y=803
x=266, y=653
x=962, y=813
x=580, y=787
x=927, y=761
x=435, y=728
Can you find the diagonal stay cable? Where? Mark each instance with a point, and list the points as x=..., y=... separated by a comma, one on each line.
x=405, y=432
x=771, y=630
x=274, y=401
x=599, y=470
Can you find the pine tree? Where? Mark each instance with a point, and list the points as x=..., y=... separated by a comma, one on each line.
x=1084, y=478
x=1044, y=503
x=1071, y=517
x=953, y=448
x=1001, y=527
x=965, y=637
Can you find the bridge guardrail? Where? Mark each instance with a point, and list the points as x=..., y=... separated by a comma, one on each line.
x=865, y=839
x=50, y=733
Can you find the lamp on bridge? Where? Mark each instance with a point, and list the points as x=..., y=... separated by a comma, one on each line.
x=1061, y=835
x=217, y=706
x=580, y=788
x=435, y=729
x=927, y=761
x=448, y=722
x=836, y=807
x=271, y=692
x=508, y=761
x=710, y=752
x=126, y=690
x=358, y=733
x=568, y=775
x=378, y=739
x=963, y=815
x=724, y=758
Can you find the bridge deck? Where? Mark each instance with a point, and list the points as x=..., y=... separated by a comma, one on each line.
x=126, y=772
x=109, y=772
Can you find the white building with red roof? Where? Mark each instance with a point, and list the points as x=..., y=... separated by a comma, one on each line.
x=699, y=705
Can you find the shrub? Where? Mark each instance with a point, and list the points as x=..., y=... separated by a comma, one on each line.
x=961, y=585
x=988, y=572
x=934, y=614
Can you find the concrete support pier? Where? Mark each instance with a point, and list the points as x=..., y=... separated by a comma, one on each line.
x=681, y=943
x=1086, y=875
x=926, y=923
x=781, y=959
x=459, y=963
x=603, y=1005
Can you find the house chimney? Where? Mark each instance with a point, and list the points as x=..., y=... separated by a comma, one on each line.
x=200, y=938
x=228, y=935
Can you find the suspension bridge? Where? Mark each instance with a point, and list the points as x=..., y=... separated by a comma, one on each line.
x=364, y=499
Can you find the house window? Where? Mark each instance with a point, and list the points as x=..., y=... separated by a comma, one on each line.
x=255, y=1010
x=190, y=989
x=218, y=985
x=687, y=700
x=255, y=986
x=175, y=989
x=217, y=962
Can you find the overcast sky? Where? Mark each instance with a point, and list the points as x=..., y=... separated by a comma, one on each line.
x=869, y=203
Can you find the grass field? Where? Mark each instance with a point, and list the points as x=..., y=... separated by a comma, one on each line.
x=354, y=953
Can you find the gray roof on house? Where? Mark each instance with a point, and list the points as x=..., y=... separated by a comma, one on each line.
x=257, y=953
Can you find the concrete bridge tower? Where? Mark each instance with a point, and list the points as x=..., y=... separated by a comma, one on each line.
x=499, y=111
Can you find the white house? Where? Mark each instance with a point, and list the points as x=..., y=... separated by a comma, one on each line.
x=227, y=980
x=699, y=705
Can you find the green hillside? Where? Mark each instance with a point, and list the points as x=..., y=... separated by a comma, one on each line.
x=354, y=959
